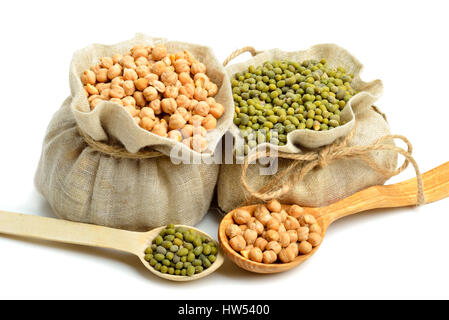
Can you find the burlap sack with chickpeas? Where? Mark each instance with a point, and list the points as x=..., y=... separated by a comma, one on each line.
x=143, y=189
x=335, y=180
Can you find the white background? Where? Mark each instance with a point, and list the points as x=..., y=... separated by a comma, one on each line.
x=399, y=253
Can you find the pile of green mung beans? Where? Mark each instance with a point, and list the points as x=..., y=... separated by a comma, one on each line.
x=278, y=97
x=181, y=251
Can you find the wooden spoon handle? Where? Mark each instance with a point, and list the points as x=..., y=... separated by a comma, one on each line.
x=69, y=232
x=436, y=187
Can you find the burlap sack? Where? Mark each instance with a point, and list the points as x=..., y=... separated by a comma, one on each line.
x=340, y=178
x=83, y=184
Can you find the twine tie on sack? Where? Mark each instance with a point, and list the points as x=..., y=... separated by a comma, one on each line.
x=117, y=151
x=302, y=164
x=238, y=52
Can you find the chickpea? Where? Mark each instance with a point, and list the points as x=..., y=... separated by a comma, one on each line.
x=114, y=71
x=211, y=88
x=273, y=224
x=175, y=135
x=184, y=78
x=160, y=129
x=141, y=84
x=255, y=225
x=150, y=94
x=295, y=211
x=142, y=71
x=106, y=62
x=141, y=62
x=198, y=67
x=117, y=92
x=168, y=105
x=147, y=123
x=293, y=235
x=117, y=81
x=95, y=102
x=129, y=101
x=256, y=255
x=151, y=77
x=156, y=106
x=183, y=101
x=129, y=74
x=241, y=216
x=303, y=233
x=284, y=239
x=238, y=243
x=159, y=86
x=171, y=92
x=193, y=104
x=315, y=228
x=291, y=223
x=305, y=247
x=199, y=143
x=91, y=98
x=277, y=216
x=187, y=131
x=274, y=206
x=314, y=239
x=102, y=75
x=200, y=94
x=139, y=53
x=131, y=110
x=138, y=96
x=262, y=214
x=128, y=62
x=289, y=254
x=128, y=87
x=202, y=109
x=184, y=113
x=147, y=112
x=245, y=252
x=233, y=230
x=159, y=68
x=116, y=58
x=217, y=110
x=159, y=52
x=105, y=94
x=137, y=120
x=196, y=120
x=95, y=68
x=269, y=257
x=243, y=227
x=272, y=235
x=261, y=243
x=209, y=122
x=102, y=86
x=188, y=90
x=176, y=122
x=250, y=236
x=116, y=100
x=275, y=246
x=284, y=215
x=169, y=78
x=182, y=66
x=282, y=228
x=307, y=219
x=91, y=89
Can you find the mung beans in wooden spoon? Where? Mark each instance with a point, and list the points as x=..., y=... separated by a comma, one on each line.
x=92, y=235
x=436, y=187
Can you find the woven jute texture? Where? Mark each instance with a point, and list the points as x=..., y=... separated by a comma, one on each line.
x=338, y=179
x=132, y=188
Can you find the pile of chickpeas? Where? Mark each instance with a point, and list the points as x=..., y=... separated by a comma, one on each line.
x=272, y=234
x=169, y=95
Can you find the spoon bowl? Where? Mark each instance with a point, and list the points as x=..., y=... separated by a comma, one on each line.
x=436, y=187
x=151, y=235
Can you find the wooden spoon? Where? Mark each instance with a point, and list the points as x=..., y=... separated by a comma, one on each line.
x=92, y=235
x=436, y=187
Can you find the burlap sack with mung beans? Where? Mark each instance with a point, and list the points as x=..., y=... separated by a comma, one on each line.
x=82, y=184
x=340, y=178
